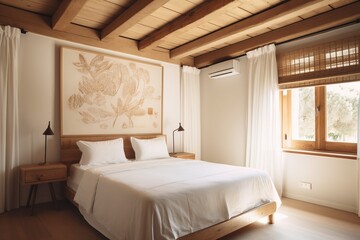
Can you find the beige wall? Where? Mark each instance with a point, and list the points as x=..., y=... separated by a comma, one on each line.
x=39, y=99
x=333, y=180
x=223, y=117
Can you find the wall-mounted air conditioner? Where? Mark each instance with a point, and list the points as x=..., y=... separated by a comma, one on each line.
x=225, y=69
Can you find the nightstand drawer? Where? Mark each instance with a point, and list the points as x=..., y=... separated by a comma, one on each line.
x=44, y=176
x=34, y=174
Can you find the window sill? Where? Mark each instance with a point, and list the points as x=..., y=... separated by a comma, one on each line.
x=351, y=156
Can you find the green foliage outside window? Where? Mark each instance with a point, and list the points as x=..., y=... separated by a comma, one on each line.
x=342, y=111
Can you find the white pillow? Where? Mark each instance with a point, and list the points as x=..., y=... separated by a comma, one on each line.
x=147, y=149
x=102, y=152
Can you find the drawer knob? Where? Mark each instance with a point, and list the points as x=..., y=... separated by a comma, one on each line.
x=39, y=177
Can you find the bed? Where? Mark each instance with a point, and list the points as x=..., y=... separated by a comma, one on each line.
x=164, y=198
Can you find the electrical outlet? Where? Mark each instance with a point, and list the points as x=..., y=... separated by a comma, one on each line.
x=306, y=185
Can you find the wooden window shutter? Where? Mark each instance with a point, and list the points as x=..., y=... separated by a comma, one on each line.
x=332, y=62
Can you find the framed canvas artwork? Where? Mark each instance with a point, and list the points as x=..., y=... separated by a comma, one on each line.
x=103, y=94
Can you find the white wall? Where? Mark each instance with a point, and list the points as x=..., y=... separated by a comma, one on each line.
x=39, y=99
x=223, y=119
x=223, y=116
x=333, y=180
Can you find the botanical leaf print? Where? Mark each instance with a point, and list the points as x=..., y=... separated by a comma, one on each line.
x=100, y=113
x=111, y=91
x=75, y=101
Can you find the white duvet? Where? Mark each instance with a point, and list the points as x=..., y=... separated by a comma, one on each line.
x=169, y=198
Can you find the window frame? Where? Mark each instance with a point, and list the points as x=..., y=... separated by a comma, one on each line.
x=320, y=144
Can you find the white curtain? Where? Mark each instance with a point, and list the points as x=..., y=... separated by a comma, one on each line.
x=263, y=145
x=9, y=129
x=358, y=158
x=190, y=110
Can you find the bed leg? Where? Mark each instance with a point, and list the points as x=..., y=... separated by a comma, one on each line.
x=271, y=219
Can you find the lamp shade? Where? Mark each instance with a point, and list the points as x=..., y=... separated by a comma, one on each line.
x=180, y=128
x=48, y=130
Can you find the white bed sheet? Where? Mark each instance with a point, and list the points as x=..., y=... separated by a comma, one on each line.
x=168, y=198
x=75, y=175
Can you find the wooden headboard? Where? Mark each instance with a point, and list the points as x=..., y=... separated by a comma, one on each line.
x=70, y=153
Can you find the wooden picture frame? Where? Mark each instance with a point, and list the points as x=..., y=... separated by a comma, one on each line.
x=102, y=94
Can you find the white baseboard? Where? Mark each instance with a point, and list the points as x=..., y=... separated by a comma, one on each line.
x=343, y=207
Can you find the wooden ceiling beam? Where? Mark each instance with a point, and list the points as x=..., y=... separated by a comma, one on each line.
x=40, y=24
x=249, y=25
x=317, y=23
x=131, y=16
x=66, y=12
x=195, y=14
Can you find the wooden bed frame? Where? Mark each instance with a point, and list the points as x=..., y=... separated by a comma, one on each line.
x=71, y=154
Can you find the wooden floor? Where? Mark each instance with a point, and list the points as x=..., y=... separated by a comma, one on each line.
x=295, y=220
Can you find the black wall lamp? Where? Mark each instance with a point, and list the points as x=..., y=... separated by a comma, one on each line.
x=179, y=129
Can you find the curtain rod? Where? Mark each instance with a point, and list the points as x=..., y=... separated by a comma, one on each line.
x=308, y=35
x=321, y=31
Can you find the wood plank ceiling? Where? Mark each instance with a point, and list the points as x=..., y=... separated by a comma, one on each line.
x=191, y=32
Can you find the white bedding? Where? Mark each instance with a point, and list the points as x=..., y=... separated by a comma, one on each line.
x=169, y=198
x=75, y=176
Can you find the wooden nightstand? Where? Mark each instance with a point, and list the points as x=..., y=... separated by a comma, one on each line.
x=184, y=155
x=36, y=174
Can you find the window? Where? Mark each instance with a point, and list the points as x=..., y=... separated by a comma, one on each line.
x=303, y=114
x=342, y=112
x=320, y=105
x=321, y=118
